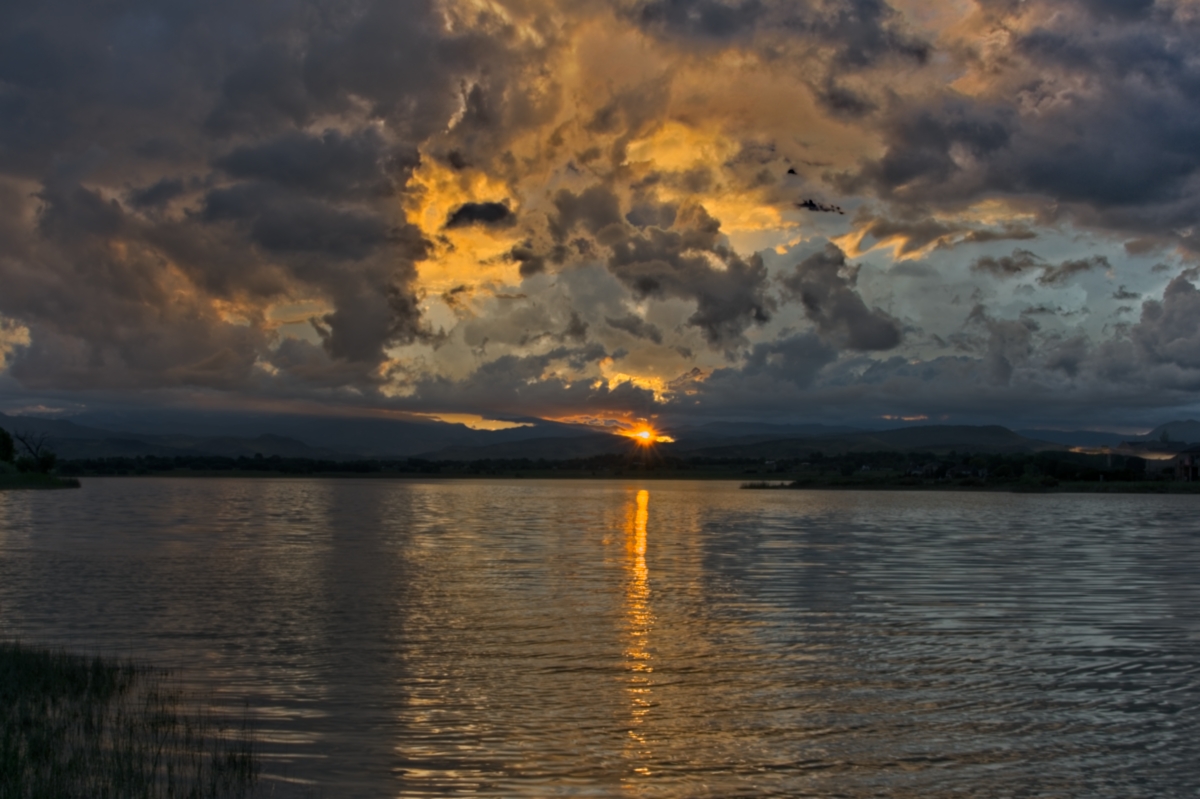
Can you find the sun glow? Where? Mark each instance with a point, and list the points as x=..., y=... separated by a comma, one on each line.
x=646, y=435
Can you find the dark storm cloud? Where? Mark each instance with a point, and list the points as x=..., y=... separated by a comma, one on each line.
x=649, y=213
x=105, y=316
x=1007, y=231
x=1169, y=331
x=486, y=214
x=796, y=359
x=1019, y=263
x=689, y=260
x=915, y=231
x=1009, y=345
x=593, y=209
x=862, y=31
x=386, y=54
x=157, y=194
x=1022, y=262
x=920, y=163
x=576, y=329
x=196, y=113
x=1069, y=356
x=369, y=316
x=331, y=164
x=265, y=91
x=1124, y=10
x=682, y=262
x=72, y=214
x=304, y=366
x=1010, y=370
x=1119, y=155
x=829, y=40
x=823, y=283
x=1058, y=275
x=706, y=18
x=531, y=263
x=282, y=222
x=636, y=326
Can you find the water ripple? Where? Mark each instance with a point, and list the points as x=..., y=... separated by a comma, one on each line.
x=529, y=638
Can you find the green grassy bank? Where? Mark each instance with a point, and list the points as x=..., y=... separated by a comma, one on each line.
x=75, y=727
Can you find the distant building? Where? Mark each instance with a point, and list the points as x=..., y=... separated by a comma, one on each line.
x=1186, y=464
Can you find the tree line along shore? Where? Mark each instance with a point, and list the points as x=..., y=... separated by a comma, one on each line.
x=26, y=461
x=1057, y=470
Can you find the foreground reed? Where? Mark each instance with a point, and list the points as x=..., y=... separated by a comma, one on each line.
x=74, y=726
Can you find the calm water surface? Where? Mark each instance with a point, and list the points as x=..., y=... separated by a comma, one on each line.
x=558, y=638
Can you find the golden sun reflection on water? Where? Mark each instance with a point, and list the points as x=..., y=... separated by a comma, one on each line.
x=639, y=622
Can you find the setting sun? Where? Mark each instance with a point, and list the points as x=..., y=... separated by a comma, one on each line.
x=646, y=435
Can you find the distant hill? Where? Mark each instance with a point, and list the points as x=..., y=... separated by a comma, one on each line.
x=926, y=438
x=232, y=447
x=345, y=438
x=1184, y=431
x=930, y=438
x=56, y=428
x=287, y=435
x=746, y=429
x=551, y=449
x=71, y=441
x=588, y=444
x=1077, y=438
x=351, y=436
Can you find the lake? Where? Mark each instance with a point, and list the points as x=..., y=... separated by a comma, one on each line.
x=603, y=638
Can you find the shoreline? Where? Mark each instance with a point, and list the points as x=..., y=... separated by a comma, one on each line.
x=1066, y=487
x=784, y=483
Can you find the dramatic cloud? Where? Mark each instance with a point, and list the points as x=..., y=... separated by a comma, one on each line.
x=1021, y=262
x=495, y=214
x=824, y=284
x=844, y=208
x=1061, y=274
x=329, y=165
x=1169, y=331
x=690, y=262
x=1088, y=106
x=635, y=326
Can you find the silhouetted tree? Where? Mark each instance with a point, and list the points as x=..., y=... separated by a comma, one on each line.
x=7, y=450
x=39, y=457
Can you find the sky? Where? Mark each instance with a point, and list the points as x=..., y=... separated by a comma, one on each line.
x=603, y=211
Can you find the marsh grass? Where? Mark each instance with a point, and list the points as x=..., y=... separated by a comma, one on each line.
x=100, y=728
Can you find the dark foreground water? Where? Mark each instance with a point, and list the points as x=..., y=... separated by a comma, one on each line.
x=527, y=638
